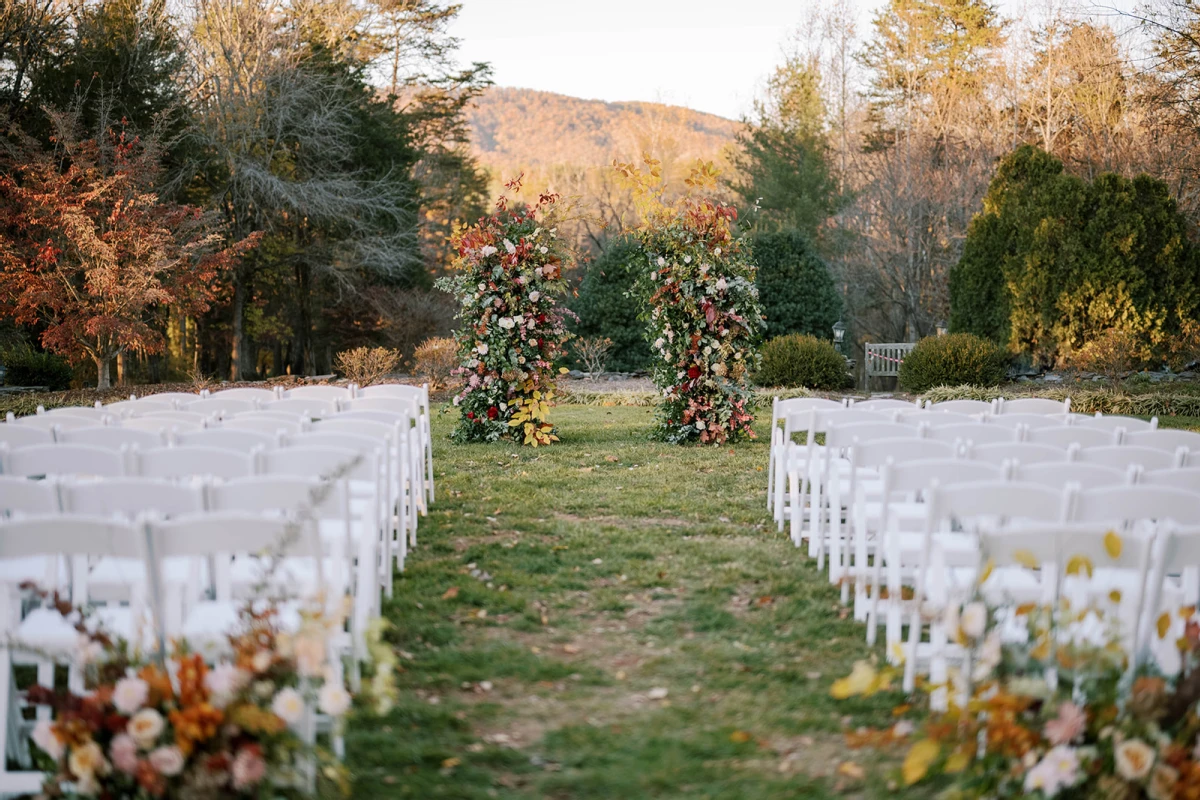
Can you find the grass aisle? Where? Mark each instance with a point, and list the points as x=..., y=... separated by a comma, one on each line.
x=613, y=618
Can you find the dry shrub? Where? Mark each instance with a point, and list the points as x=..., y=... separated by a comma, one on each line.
x=1112, y=354
x=592, y=352
x=367, y=365
x=1184, y=350
x=434, y=360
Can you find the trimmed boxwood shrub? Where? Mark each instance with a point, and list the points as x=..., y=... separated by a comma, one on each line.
x=795, y=288
x=802, y=360
x=953, y=360
x=606, y=313
x=28, y=367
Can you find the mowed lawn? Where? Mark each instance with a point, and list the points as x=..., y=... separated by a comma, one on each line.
x=614, y=618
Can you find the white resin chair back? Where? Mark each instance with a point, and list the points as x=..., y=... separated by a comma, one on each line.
x=219, y=407
x=112, y=438
x=332, y=394
x=190, y=462
x=227, y=438
x=12, y=435
x=268, y=425
x=936, y=419
x=1187, y=478
x=138, y=408
x=975, y=408
x=1117, y=422
x=1125, y=456
x=1066, y=435
x=20, y=495
x=1019, y=452
x=306, y=407
x=247, y=395
x=64, y=459
x=1174, y=583
x=1030, y=421
x=128, y=498
x=172, y=398
x=162, y=427
x=1059, y=475
x=885, y=404
x=51, y=422
x=1115, y=505
x=1164, y=439
x=1034, y=405
x=978, y=433
x=91, y=412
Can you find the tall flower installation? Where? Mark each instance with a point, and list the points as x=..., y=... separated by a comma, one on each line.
x=183, y=729
x=509, y=272
x=696, y=287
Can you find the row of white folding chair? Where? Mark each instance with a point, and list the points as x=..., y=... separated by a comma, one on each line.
x=1005, y=506
x=80, y=537
x=1020, y=405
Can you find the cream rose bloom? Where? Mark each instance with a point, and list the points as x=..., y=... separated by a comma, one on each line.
x=973, y=621
x=333, y=700
x=47, y=742
x=1134, y=759
x=145, y=727
x=87, y=761
x=288, y=705
x=130, y=694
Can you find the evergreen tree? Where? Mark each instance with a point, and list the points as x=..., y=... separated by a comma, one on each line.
x=795, y=288
x=606, y=311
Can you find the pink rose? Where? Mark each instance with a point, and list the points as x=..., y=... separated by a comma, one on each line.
x=1070, y=724
x=168, y=760
x=248, y=768
x=123, y=752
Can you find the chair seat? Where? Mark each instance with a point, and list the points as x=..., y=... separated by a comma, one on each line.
x=31, y=569
x=209, y=624
x=110, y=579
x=296, y=574
x=46, y=632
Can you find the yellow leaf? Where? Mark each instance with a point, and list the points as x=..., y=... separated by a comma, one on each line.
x=1079, y=564
x=1026, y=559
x=1025, y=608
x=1115, y=595
x=987, y=571
x=451, y=763
x=1187, y=612
x=957, y=762
x=848, y=769
x=1113, y=545
x=860, y=681
x=740, y=737
x=563, y=370
x=920, y=757
x=1163, y=625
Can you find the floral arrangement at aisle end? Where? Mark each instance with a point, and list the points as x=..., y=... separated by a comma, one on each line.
x=509, y=270
x=1056, y=713
x=243, y=728
x=699, y=300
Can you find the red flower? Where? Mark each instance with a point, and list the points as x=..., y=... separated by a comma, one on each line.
x=493, y=412
x=471, y=415
x=693, y=372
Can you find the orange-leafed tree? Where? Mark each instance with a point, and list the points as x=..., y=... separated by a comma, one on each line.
x=89, y=250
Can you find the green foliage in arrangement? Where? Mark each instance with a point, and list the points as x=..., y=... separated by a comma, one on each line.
x=795, y=288
x=951, y=360
x=605, y=310
x=802, y=360
x=28, y=367
x=1054, y=261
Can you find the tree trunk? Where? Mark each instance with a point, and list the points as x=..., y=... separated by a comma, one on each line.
x=102, y=372
x=237, y=353
x=122, y=368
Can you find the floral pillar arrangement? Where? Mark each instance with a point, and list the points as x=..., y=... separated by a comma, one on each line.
x=699, y=300
x=509, y=272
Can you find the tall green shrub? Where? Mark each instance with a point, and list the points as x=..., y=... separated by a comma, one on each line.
x=801, y=360
x=953, y=360
x=795, y=288
x=604, y=310
x=1054, y=261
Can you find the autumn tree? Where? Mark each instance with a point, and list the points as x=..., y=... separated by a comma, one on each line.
x=90, y=252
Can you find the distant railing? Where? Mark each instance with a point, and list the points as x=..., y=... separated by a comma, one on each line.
x=883, y=360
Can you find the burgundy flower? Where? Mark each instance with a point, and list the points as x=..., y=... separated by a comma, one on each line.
x=493, y=412
x=693, y=372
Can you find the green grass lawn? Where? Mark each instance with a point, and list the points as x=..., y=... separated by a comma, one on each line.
x=557, y=593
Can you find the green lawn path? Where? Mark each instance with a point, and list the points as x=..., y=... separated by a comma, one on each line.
x=557, y=592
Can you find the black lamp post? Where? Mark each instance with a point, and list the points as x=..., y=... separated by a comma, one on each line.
x=839, y=334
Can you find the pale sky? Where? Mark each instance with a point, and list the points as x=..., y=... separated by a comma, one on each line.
x=710, y=55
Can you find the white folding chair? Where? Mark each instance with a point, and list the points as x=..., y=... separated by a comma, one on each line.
x=112, y=438
x=137, y=408
x=407, y=442
x=96, y=413
x=1120, y=505
x=12, y=435
x=975, y=408
x=1028, y=421
x=392, y=434
x=1173, y=584
x=1033, y=405
x=417, y=439
x=1065, y=436
x=51, y=422
x=1124, y=456
x=227, y=438
x=64, y=459
x=185, y=611
x=44, y=637
x=902, y=485
x=886, y=404
x=780, y=409
x=999, y=505
x=274, y=425
x=1059, y=475
x=162, y=427
x=189, y=417
x=172, y=398
x=25, y=497
x=421, y=393
x=977, y=433
x=1019, y=452
x=219, y=407
x=935, y=419
x=193, y=462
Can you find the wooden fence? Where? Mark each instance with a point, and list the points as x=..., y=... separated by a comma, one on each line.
x=883, y=360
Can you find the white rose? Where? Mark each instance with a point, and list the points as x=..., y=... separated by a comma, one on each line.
x=653, y=276
x=145, y=727
x=722, y=285
x=717, y=252
x=86, y=762
x=687, y=259
x=483, y=287
x=488, y=250
x=507, y=323
x=47, y=742
x=482, y=349
x=533, y=296
x=699, y=425
x=658, y=343
x=262, y=660
x=543, y=250
x=662, y=262
x=974, y=619
x=510, y=247
x=224, y=681
x=288, y=705
x=167, y=760
x=333, y=700
x=130, y=694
